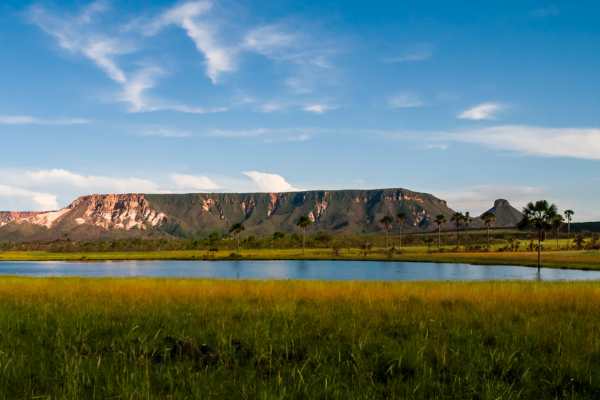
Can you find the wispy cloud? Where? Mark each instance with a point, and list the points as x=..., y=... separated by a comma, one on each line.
x=74, y=34
x=269, y=135
x=268, y=182
x=78, y=35
x=581, y=143
x=31, y=120
x=421, y=52
x=219, y=58
x=405, y=100
x=318, y=108
x=164, y=132
x=547, y=11
x=483, y=111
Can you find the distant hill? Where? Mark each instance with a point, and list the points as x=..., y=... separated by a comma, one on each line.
x=506, y=215
x=184, y=215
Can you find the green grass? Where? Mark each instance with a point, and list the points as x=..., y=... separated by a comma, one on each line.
x=152, y=338
x=585, y=259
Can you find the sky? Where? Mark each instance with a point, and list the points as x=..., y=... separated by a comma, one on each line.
x=470, y=102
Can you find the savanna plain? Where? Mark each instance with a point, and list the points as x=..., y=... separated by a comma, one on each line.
x=167, y=338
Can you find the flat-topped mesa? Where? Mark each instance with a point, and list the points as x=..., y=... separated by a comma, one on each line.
x=200, y=214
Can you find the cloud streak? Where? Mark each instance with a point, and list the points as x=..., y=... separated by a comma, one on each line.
x=31, y=120
x=483, y=111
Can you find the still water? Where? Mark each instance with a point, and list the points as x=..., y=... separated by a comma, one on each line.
x=293, y=269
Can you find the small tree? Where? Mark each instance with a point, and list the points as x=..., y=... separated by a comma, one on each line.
x=387, y=225
x=401, y=217
x=303, y=222
x=440, y=220
x=569, y=217
x=488, y=219
x=458, y=219
x=236, y=229
x=539, y=216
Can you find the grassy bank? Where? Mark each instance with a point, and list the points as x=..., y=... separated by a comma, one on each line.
x=589, y=259
x=71, y=338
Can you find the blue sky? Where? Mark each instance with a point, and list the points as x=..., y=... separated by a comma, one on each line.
x=465, y=101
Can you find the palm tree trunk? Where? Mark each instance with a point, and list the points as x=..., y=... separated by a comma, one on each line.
x=489, y=240
x=439, y=237
x=568, y=233
x=387, y=239
x=539, y=249
x=400, y=237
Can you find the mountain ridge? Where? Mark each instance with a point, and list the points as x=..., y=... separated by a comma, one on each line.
x=99, y=216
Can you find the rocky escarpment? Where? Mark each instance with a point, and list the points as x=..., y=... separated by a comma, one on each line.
x=348, y=211
x=199, y=214
x=88, y=214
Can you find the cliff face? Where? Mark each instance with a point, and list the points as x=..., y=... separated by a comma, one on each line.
x=348, y=211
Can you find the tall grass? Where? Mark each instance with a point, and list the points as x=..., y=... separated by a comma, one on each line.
x=153, y=338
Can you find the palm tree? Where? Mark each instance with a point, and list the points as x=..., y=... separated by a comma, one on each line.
x=236, y=229
x=488, y=219
x=458, y=218
x=387, y=225
x=557, y=223
x=440, y=220
x=401, y=217
x=539, y=216
x=303, y=222
x=569, y=216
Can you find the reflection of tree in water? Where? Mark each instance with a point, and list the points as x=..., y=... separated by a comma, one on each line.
x=302, y=268
x=237, y=268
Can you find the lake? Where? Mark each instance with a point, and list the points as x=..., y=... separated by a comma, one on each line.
x=292, y=269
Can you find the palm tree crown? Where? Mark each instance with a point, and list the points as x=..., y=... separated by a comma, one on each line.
x=539, y=216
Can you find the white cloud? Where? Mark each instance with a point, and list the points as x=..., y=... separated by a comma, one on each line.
x=318, y=108
x=30, y=120
x=272, y=106
x=219, y=59
x=539, y=141
x=482, y=111
x=267, y=182
x=405, y=100
x=94, y=183
x=193, y=182
x=16, y=198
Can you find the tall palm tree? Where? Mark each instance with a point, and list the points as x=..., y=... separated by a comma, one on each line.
x=236, y=229
x=539, y=216
x=440, y=220
x=401, y=217
x=387, y=222
x=557, y=223
x=458, y=219
x=569, y=216
x=488, y=219
x=303, y=222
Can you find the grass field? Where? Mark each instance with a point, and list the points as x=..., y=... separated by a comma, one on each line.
x=143, y=338
x=585, y=259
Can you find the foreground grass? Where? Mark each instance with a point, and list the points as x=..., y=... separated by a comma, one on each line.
x=584, y=259
x=143, y=338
